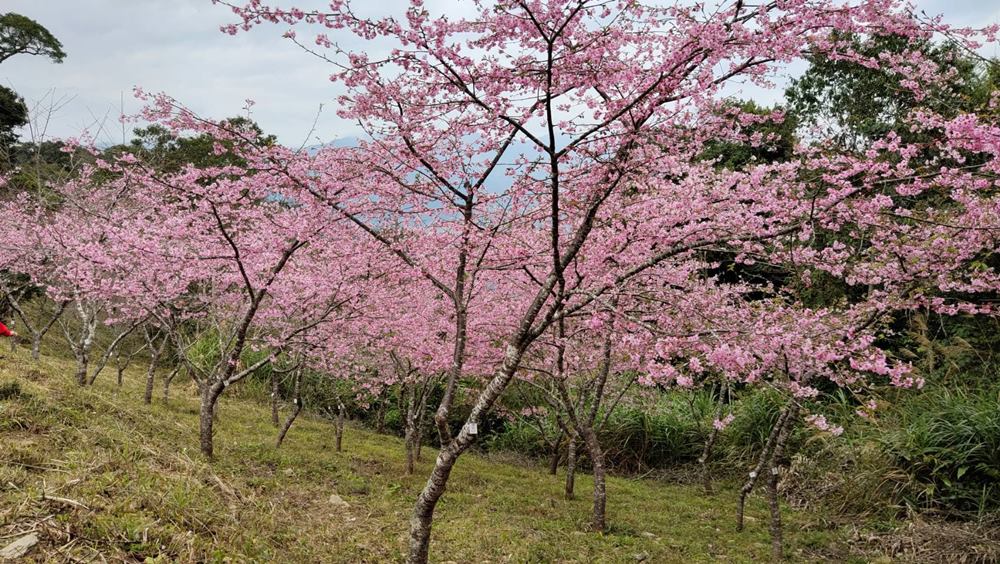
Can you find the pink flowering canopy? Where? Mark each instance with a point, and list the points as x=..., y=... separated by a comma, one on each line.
x=532, y=183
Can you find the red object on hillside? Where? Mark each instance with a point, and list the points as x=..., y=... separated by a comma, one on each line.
x=5, y=332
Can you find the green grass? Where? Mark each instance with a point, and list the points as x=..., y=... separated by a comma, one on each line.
x=144, y=492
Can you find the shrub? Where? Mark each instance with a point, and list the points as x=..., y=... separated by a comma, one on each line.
x=947, y=441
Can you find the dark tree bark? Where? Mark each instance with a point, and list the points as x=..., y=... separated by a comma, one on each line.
x=422, y=415
x=598, y=520
x=584, y=423
x=122, y=362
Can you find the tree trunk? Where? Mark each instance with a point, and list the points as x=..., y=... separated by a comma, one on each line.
x=209, y=396
x=706, y=453
x=598, y=520
x=112, y=349
x=703, y=461
x=340, y=425
x=166, y=384
x=423, y=511
x=82, y=367
x=36, y=347
x=421, y=417
x=461, y=331
x=410, y=450
x=154, y=357
x=120, y=369
x=37, y=333
x=288, y=422
x=297, y=399
x=147, y=396
x=761, y=463
x=571, y=467
x=556, y=455
x=777, y=548
x=410, y=431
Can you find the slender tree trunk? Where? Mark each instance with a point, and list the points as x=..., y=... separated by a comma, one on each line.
x=598, y=519
x=411, y=425
x=761, y=463
x=81, y=346
x=36, y=347
x=166, y=383
x=154, y=357
x=706, y=453
x=584, y=427
x=556, y=455
x=423, y=511
x=703, y=461
x=37, y=333
x=120, y=369
x=288, y=422
x=82, y=367
x=209, y=396
x=410, y=451
x=422, y=416
x=571, y=467
x=112, y=349
x=297, y=399
x=461, y=330
x=147, y=396
x=274, y=398
x=777, y=547
x=340, y=425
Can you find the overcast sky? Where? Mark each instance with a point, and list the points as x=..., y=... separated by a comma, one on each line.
x=175, y=46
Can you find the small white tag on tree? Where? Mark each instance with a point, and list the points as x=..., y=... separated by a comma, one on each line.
x=473, y=428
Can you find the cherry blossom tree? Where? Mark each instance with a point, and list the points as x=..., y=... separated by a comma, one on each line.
x=600, y=109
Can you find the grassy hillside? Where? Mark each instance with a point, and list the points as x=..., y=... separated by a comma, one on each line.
x=131, y=486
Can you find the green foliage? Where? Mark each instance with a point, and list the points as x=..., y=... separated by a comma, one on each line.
x=170, y=153
x=204, y=354
x=756, y=413
x=13, y=114
x=947, y=441
x=518, y=436
x=23, y=35
x=857, y=104
x=777, y=145
x=669, y=434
